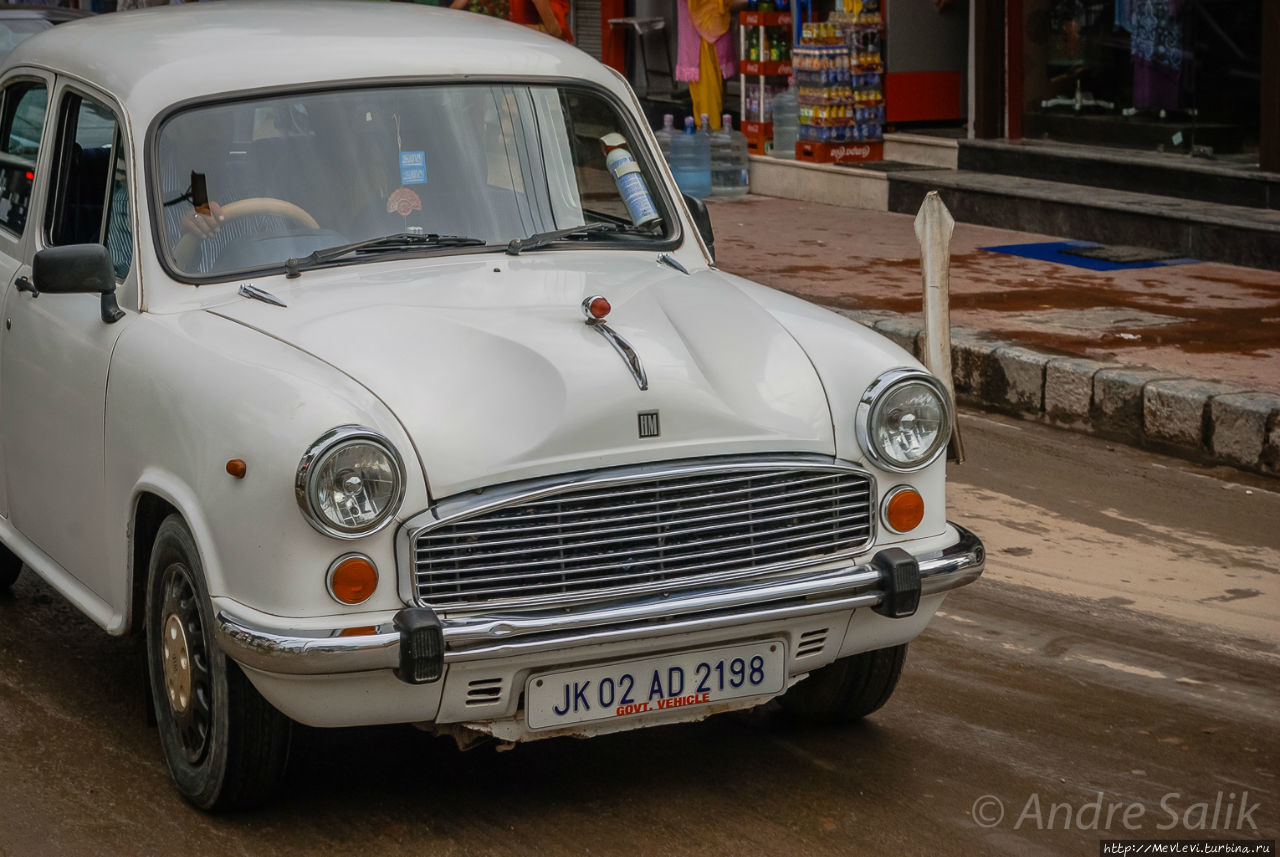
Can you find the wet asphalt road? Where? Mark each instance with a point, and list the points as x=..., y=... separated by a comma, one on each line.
x=1123, y=648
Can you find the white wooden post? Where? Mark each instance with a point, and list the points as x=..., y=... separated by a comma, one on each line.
x=934, y=225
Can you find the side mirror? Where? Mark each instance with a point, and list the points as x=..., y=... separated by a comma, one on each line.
x=78, y=269
x=702, y=219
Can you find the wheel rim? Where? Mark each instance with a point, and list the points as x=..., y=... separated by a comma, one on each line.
x=188, y=687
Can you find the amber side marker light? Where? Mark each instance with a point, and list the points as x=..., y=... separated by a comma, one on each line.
x=352, y=578
x=237, y=468
x=903, y=509
x=359, y=631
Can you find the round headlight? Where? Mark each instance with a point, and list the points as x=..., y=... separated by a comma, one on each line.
x=904, y=420
x=350, y=482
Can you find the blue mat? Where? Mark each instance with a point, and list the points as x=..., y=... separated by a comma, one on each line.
x=1052, y=251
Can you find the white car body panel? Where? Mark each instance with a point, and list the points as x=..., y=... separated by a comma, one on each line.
x=478, y=368
x=535, y=391
x=191, y=392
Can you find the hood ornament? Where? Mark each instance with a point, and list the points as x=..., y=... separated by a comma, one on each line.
x=248, y=290
x=595, y=308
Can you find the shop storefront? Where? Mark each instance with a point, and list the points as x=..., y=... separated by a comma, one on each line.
x=1168, y=75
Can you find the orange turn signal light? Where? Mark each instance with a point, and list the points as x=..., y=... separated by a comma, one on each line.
x=903, y=509
x=352, y=578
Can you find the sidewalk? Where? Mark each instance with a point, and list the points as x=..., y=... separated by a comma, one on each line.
x=1183, y=359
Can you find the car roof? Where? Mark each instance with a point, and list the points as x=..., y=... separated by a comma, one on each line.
x=57, y=14
x=152, y=58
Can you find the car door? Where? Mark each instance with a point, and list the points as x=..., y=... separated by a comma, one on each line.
x=24, y=100
x=56, y=348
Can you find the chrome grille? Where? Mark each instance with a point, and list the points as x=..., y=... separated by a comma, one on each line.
x=627, y=533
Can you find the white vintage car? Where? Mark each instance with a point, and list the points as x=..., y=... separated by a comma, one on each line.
x=366, y=359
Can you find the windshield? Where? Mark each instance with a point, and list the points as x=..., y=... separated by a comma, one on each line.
x=256, y=183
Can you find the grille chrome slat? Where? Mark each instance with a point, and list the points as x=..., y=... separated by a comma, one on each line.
x=675, y=483
x=478, y=575
x=574, y=542
x=630, y=554
x=528, y=584
x=602, y=510
x=557, y=531
x=606, y=536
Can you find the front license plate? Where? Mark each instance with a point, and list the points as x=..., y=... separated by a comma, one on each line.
x=653, y=684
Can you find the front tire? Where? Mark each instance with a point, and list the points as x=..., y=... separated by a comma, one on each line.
x=10, y=568
x=226, y=746
x=849, y=689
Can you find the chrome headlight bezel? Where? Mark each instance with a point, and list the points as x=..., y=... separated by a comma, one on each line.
x=329, y=443
x=874, y=397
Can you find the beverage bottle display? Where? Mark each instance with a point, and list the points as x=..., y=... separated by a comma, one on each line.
x=666, y=134
x=691, y=161
x=786, y=123
x=729, y=165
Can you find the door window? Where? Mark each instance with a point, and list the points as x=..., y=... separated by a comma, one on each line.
x=89, y=199
x=21, y=126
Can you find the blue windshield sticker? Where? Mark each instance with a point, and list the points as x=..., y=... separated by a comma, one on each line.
x=413, y=168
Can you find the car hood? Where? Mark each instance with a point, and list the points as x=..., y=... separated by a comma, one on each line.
x=490, y=366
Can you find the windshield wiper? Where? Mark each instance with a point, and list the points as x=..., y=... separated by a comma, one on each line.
x=541, y=239
x=398, y=241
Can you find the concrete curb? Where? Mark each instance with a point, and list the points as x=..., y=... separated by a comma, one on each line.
x=1191, y=418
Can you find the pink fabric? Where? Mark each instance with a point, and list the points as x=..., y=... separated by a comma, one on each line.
x=689, y=43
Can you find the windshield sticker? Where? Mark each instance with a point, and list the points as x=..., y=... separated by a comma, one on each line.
x=413, y=168
x=403, y=202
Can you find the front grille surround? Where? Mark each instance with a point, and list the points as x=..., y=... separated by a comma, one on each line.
x=688, y=525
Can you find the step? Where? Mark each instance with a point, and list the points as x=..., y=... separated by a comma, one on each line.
x=1209, y=231
x=922, y=149
x=848, y=186
x=1166, y=174
x=1139, y=132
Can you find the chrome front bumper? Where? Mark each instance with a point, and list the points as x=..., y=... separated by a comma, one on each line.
x=326, y=652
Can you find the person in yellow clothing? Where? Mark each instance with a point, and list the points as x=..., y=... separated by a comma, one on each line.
x=705, y=52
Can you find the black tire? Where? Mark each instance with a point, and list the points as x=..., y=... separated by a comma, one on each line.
x=849, y=689
x=226, y=746
x=10, y=568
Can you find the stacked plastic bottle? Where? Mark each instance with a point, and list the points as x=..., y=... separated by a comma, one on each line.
x=786, y=123
x=666, y=134
x=730, y=172
x=691, y=161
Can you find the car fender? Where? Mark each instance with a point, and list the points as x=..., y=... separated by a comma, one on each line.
x=188, y=393
x=847, y=358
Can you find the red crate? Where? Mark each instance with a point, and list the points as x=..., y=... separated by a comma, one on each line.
x=769, y=67
x=758, y=135
x=764, y=19
x=838, y=153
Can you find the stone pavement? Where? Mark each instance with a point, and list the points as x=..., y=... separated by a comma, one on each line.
x=1182, y=359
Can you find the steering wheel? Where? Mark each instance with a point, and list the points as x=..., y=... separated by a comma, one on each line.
x=185, y=251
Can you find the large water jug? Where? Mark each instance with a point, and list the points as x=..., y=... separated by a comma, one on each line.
x=666, y=134
x=786, y=123
x=691, y=161
x=729, y=164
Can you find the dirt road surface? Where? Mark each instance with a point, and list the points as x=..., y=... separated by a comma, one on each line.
x=1122, y=651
